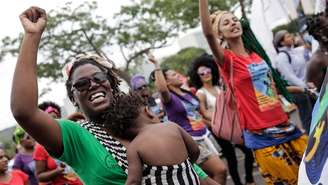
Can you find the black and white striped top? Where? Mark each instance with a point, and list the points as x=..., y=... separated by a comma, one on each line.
x=180, y=174
x=114, y=147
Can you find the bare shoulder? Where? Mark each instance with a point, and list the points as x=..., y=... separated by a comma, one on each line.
x=319, y=59
x=201, y=94
x=172, y=125
x=167, y=127
x=139, y=139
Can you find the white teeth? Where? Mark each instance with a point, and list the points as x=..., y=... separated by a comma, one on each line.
x=97, y=95
x=98, y=99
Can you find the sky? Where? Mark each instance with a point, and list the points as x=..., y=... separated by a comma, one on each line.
x=11, y=26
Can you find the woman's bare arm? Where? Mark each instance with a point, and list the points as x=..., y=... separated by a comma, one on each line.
x=212, y=40
x=207, y=114
x=160, y=81
x=135, y=166
x=24, y=94
x=192, y=146
x=45, y=175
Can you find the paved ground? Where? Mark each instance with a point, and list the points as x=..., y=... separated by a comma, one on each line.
x=240, y=156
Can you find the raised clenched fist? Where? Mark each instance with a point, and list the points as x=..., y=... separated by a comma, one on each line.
x=34, y=20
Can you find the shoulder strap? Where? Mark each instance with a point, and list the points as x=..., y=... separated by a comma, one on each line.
x=114, y=147
x=288, y=56
x=183, y=98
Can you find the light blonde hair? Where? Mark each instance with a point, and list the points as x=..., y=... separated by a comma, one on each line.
x=215, y=19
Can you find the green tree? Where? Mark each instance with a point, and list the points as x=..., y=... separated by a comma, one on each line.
x=151, y=24
x=9, y=147
x=69, y=31
x=138, y=28
x=182, y=60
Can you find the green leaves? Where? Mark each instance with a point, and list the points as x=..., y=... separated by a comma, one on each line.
x=137, y=28
x=69, y=31
x=182, y=60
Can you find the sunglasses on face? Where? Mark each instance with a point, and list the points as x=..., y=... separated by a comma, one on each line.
x=85, y=83
x=142, y=87
x=205, y=72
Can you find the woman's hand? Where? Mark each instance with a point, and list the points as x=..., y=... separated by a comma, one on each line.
x=34, y=20
x=24, y=93
x=153, y=60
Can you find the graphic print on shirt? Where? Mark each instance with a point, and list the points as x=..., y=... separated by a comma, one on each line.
x=194, y=117
x=263, y=86
x=316, y=153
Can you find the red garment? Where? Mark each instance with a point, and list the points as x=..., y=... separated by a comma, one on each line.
x=257, y=99
x=17, y=178
x=40, y=154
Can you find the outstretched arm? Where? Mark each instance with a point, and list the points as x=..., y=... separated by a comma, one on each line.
x=160, y=81
x=216, y=49
x=45, y=175
x=24, y=94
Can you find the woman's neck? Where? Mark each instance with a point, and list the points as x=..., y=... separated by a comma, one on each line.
x=98, y=119
x=3, y=173
x=237, y=46
x=208, y=85
x=4, y=176
x=27, y=151
x=176, y=89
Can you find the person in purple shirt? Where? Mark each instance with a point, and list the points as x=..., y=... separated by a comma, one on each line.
x=24, y=159
x=182, y=107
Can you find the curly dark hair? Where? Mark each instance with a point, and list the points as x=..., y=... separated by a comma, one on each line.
x=44, y=105
x=205, y=60
x=122, y=115
x=112, y=77
x=152, y=74
x=314, y=24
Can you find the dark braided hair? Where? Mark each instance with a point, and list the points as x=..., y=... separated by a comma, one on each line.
x=205, y=60
x=122, y=115
x=112, y=77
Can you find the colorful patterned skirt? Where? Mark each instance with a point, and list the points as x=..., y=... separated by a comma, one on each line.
x=279, y=164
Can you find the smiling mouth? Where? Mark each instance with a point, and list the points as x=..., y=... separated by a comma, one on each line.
x=235, y=30
x=97, y=97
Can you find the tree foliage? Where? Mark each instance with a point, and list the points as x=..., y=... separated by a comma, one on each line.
x=69, y=31
x=182, y=60
x=150, y=24
x=183, y=13
x=138, y=27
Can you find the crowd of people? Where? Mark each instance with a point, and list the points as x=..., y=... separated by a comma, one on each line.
x=165, y=135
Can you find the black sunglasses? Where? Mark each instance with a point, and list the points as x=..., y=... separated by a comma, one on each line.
x=85, y=83
x=142, y=87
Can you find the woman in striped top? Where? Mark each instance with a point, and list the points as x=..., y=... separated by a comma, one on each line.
x=158, y=153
